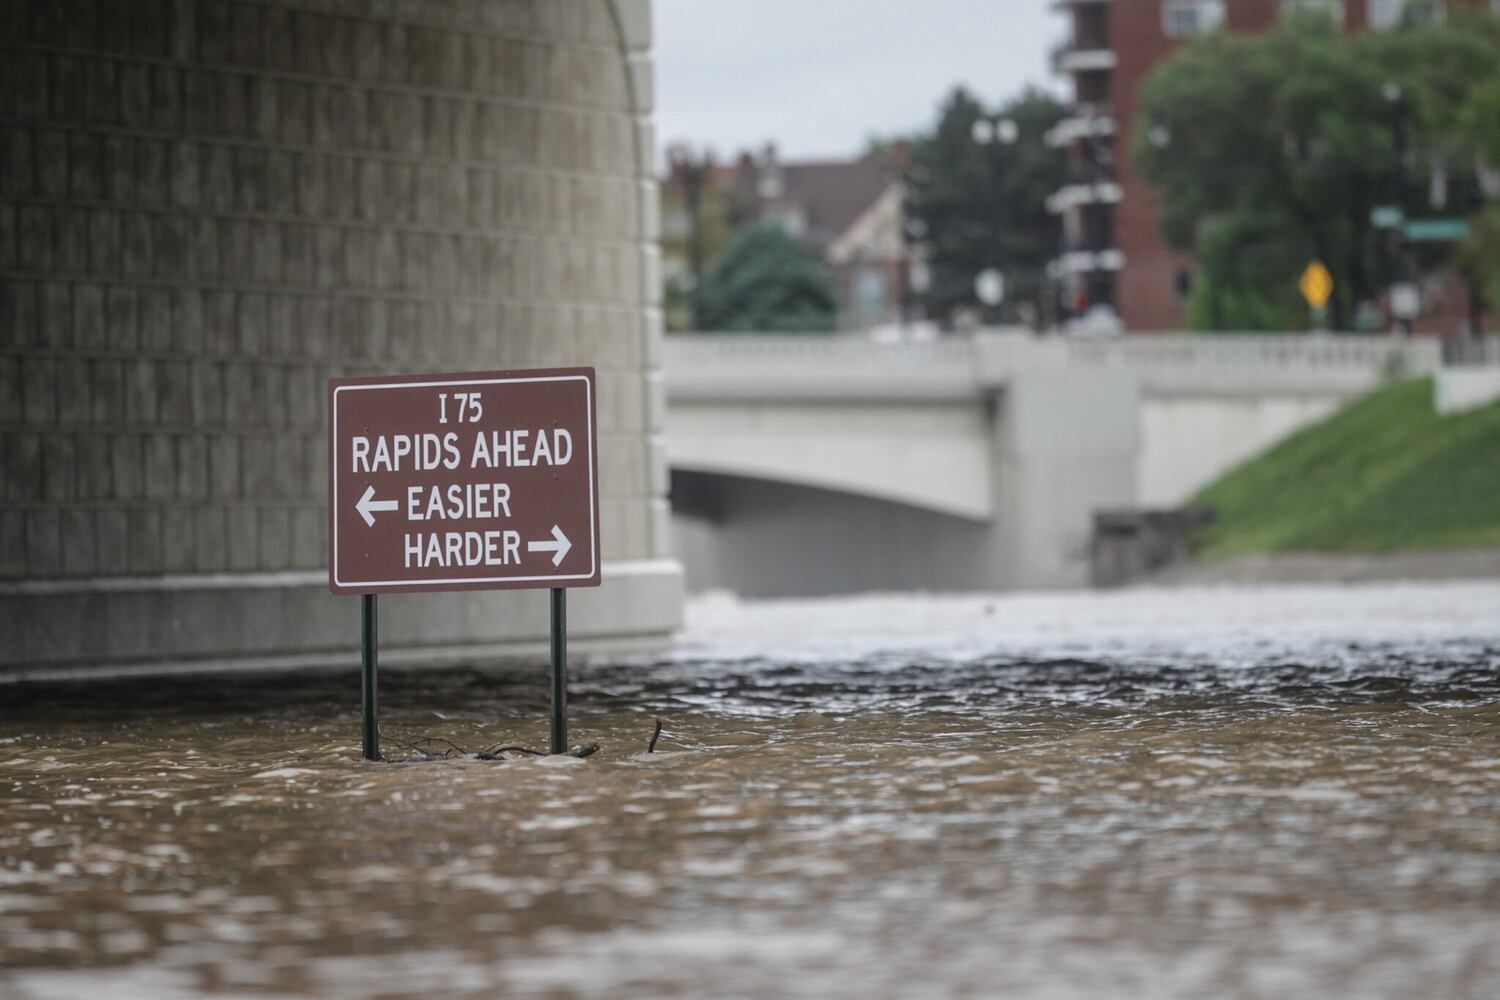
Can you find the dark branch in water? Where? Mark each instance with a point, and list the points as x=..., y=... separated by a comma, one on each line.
x=494, y=752
x=655, y=735
x=421, y=750
x=418, y=748
x=438, y=739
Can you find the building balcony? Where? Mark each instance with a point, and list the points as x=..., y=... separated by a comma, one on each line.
x=1076, y=195
x=1086, y=124
x=1087, y=262
x=1083, y=57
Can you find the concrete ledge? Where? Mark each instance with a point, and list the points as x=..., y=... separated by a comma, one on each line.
x=290, y=619
x=1457, y=389
x=1333, y=567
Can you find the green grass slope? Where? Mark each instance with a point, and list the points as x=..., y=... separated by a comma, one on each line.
x=1384, y=474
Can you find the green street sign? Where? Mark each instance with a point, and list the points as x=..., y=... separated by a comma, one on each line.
x=1436, y=230
x=1386, y=216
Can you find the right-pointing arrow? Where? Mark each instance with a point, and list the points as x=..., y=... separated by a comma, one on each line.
x=559, y=546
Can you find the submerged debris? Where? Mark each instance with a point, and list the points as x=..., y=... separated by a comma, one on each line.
x=424, y=750
x=498, y=752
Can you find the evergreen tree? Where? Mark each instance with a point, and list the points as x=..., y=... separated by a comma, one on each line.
x=767, y=282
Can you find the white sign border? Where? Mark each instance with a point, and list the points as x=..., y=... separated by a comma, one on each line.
x=588, y=398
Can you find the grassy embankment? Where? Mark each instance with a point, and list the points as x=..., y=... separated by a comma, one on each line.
x=1384, y=474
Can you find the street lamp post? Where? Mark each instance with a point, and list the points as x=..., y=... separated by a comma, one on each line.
x=992, y=134
x=1404, y=295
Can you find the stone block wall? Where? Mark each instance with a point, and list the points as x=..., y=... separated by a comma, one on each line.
x=208, y=208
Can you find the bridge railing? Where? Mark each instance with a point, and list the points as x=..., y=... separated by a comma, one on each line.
x=771, y=364
x=712, y=365
x=1242, y=350
x=778, y=351
x=1472, y=350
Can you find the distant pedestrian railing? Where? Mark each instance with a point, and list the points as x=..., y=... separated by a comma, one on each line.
x=709, y=365
x=756, y=350
x=719, y=365
x=1472, y=350
x=1248, y=350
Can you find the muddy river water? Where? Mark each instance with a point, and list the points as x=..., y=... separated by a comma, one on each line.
x=1284, y=792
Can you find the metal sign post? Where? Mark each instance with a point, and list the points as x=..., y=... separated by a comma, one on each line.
x=481, y=481
x=368, y=685
x=559, y=670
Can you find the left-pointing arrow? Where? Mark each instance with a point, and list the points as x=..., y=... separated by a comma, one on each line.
x=367, y=505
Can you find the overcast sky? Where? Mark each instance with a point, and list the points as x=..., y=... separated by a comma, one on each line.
x=820, y=76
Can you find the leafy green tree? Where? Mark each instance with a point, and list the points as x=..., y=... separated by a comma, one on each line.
x=1238, y=258
x=1480, y=255
x=978, y=205
x=1479, y=121
x=1280, y=141
x=1450, y=74
x=1271, y=150
x=767, y=282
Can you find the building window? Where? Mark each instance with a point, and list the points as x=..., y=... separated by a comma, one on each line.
x=1391, y=13
x=1333, y=10
x=1187, y=18
x=1427, y=11
x=677, y=223
x=1182, y=284
x=791, y=218
x=870, y=290
x=1385, y=13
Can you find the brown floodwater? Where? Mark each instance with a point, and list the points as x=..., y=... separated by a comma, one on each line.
x=1277, y=793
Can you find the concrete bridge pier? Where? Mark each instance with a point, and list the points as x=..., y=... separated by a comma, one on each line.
x=208, y=209
x=1066, y=445
x=969, y=475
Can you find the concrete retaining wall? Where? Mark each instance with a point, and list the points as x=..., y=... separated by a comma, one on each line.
x=1457, y=389
x=1188, y=442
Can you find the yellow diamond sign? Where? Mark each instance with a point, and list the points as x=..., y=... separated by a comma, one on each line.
x=1316, y=284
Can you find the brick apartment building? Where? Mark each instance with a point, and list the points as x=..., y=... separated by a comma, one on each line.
x=1112, y=252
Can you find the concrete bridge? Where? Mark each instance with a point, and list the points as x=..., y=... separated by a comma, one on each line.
x=807, y=465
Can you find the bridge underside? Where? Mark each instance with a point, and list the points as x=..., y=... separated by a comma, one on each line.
x=842, y=492
x=928, y=453
x=771, y=539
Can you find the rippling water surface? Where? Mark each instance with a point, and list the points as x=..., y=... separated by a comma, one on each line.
x=1258, y=793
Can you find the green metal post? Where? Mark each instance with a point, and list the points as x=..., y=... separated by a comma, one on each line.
x=559, y=670
x=371, y=724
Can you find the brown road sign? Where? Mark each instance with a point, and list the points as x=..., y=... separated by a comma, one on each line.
x=463, y=482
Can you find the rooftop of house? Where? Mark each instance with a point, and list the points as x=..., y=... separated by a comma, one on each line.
x=818, y=199
x=827, y=196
